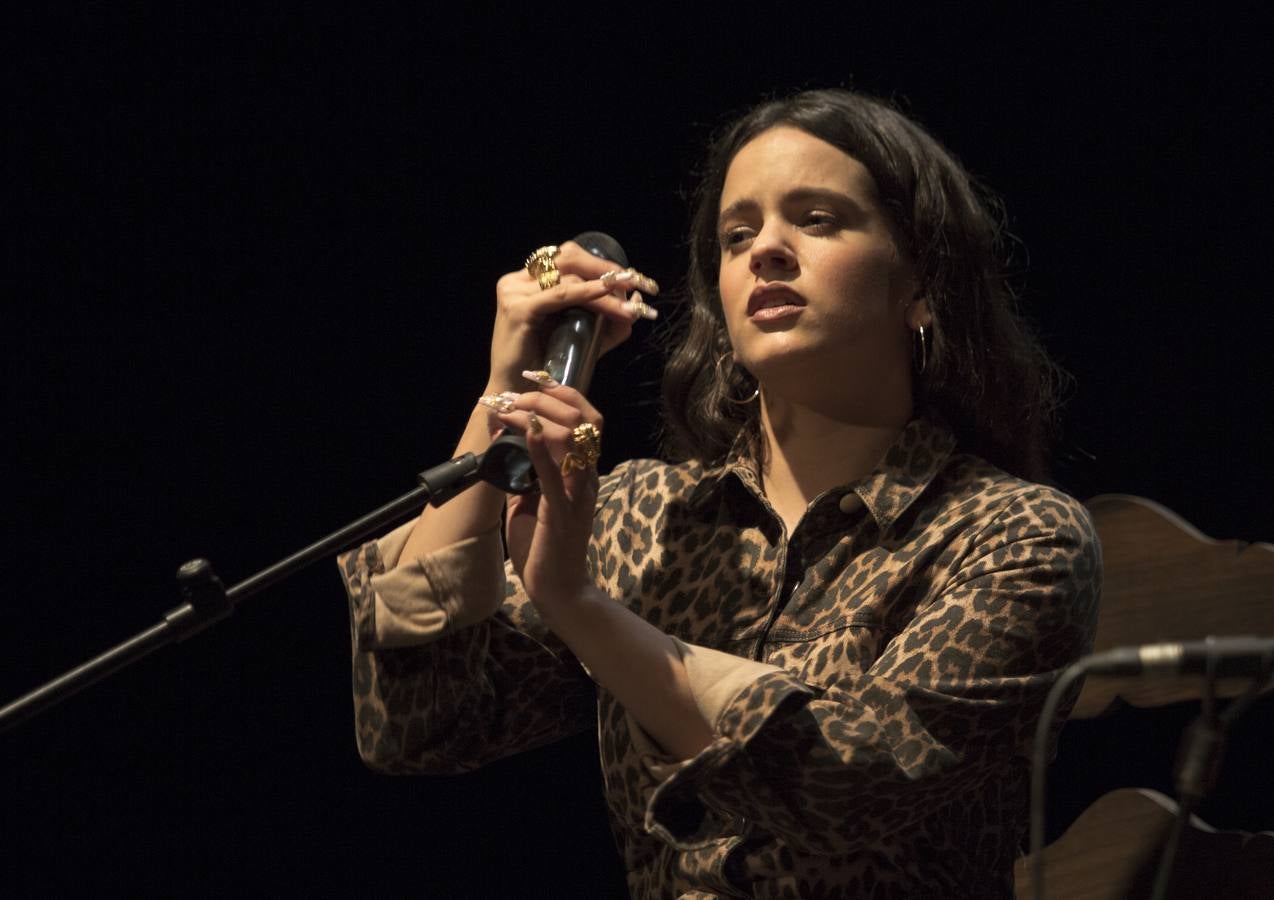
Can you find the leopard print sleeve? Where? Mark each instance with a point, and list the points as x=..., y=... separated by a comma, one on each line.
x=458, y=697
x=947, y=708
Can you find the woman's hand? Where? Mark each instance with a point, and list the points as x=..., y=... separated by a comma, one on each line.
x=522, y=309
x=548, y=532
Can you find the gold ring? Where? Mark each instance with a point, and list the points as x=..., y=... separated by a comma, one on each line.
x=586, y=449
x=540, y=266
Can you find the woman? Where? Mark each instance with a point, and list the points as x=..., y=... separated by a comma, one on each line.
x=816, y=646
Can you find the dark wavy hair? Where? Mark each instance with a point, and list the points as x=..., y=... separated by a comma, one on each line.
x=987, y=376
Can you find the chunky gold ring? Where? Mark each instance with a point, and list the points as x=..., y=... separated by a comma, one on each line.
x=541, y=267
x=586, y=449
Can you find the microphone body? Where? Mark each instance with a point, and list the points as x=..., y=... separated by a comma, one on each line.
x=1225, y=656
x=572, y=347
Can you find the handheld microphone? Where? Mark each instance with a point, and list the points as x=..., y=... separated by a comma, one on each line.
x=573, y=345
x=571, y=353
x=1225, y=657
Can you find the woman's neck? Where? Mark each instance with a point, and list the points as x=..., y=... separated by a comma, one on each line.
x=809, y=451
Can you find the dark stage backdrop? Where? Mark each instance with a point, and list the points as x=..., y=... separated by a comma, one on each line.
x=250, y=293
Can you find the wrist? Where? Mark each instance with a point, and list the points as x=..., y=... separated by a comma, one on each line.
x=568, y=605
x=498, y=382
x=506, y=375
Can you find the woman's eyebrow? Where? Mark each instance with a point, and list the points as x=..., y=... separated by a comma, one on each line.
x=795, y=195
x=801, y=194
x=735, y=208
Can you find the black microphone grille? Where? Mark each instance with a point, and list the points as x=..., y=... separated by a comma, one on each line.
x=603, y=245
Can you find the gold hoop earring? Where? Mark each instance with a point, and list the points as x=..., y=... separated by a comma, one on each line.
x=924, y=350
x=725, y=382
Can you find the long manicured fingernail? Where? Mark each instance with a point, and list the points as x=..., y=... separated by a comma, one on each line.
x=638, y=307
x=645, y=283
x=533, y=423
x=629, y=278
x=501, y=402
x=616, y=275
x=541, y=377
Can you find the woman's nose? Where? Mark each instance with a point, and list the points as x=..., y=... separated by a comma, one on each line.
x=770, y=251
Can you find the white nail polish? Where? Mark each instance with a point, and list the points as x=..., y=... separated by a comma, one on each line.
x=502, y=402
x=540, y=377
x=639, y=307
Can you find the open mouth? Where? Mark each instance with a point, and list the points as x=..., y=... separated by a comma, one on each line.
x=774, y=302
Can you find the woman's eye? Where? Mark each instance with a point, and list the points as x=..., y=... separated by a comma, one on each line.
x=821, y=220
x=734, y=236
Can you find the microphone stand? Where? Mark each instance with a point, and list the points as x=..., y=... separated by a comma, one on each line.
x=1200, y=757
x=207, y=601
x=572, y=350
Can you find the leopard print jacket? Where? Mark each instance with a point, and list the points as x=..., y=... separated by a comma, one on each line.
x=873, y=679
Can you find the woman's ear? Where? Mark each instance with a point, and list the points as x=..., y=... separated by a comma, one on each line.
x=918, y=314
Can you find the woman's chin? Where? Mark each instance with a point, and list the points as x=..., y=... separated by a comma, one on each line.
x=789, y=355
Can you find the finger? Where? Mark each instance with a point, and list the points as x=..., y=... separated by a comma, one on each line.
x=578, y=476
x=569, y=444
x=624, y=280
x=574, y=266
x=519, y=527
x=536, y=410
x=592, y=295
x=552, y=489
x=523, y=505
x=636, y=305
x=558, y=421
x=556, y=436
x=616, y=313
x=573, y=258
x=494, y=425
x=580, y=482
x=576, y=260
x=572, y=484
x=558, y=403
x=575, y=263
x=568, y=292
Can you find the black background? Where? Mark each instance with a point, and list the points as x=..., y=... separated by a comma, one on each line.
x=252, y=267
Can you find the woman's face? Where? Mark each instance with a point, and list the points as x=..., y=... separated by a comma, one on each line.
x=815, y=293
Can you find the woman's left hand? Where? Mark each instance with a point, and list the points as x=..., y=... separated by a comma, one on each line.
x=548, y=532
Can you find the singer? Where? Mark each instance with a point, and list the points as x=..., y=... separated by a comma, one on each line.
x=815, y=643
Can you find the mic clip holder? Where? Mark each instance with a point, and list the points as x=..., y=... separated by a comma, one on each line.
x=504, y=464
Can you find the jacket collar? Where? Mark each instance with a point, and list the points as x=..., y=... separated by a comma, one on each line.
x=919, y=453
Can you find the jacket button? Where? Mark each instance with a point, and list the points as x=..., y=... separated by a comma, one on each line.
x=851, y=503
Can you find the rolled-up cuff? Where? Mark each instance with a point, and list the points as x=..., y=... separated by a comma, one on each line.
x=741, y=698
x=735, y=696
x=420, y=601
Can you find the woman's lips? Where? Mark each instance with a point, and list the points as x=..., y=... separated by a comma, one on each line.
x=770, y=313
x=768, y=303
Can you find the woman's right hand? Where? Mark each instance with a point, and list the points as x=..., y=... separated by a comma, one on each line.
x=523, y=309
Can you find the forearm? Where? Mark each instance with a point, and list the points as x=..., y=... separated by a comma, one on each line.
x=470, y=513
x=637, y=663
